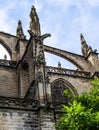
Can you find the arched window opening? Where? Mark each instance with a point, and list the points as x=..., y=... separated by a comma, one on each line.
x=56, y=61
x=4, y=54
x=57, y=92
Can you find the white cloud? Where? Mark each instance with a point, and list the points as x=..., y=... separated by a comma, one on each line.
x=85, y=23
x=67, y=3
x=93, y=3
x=64, y=3
x=7, y=23
x=38, y=5
x=4, y=22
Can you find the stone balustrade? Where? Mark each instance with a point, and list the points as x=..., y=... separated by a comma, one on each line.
x=68, y=72
x=8, y=63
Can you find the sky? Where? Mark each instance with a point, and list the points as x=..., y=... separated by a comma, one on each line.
x=63, y=19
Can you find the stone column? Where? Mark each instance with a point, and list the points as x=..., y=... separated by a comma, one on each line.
x=48, y=93
x=41, y=93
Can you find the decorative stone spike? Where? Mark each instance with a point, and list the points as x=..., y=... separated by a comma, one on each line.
x=34, y=22
x=19, y=31
x=82, y=39
x=85, y=48
x=59, y=65
x=5, y=57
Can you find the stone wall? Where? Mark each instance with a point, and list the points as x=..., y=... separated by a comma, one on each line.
x=47, y=120
x=21, y=47
x=27, y=73
x=26, y=120
x=8, y=82
x=80, y=84
x=18, y=120
x=24, y=82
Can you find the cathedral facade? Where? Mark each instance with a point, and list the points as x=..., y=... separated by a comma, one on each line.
x=31, y=93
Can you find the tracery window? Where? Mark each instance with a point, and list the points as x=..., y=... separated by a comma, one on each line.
x=58, y=96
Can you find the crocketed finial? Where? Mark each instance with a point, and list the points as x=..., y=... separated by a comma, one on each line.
x=19, y=31
x=34, y=22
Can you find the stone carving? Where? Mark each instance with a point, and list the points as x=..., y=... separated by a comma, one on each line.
x=39, y=38
x=34, y=22
x=39, y=77
x=59, y=65
x=85, y=48
x=5, y=57
x=47, y=79
x=19, y=31
x=40, y=59
x=18, y=103
x=8, y=63
x=42, y=37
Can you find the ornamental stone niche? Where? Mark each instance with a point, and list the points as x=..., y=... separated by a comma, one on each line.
x=32, y=93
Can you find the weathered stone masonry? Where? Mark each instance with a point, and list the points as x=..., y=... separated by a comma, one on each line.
x=31, y=93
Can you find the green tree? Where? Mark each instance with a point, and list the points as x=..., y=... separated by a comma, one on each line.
x=83, y=112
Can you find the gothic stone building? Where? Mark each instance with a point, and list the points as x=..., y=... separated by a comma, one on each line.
x=31, y=93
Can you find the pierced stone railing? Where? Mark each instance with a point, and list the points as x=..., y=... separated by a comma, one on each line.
x=68, y=72
x=8, y=63
x=18, y=103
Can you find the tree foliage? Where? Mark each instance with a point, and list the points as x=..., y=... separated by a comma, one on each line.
x=83, y=112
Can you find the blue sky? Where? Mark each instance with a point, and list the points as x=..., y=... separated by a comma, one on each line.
x=64, y=19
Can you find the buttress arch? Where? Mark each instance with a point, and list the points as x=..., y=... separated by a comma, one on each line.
x=71, y=57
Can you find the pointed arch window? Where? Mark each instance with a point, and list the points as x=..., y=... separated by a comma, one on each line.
x=57, y=92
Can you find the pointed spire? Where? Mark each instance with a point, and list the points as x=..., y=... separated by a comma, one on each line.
x=5, y=57
x=34, y=22
x=82, y=39
x=19, y=31
x=84, y=47
x=59, y=64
